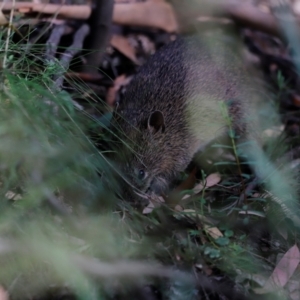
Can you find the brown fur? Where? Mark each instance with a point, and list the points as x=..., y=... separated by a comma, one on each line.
x=184, y=85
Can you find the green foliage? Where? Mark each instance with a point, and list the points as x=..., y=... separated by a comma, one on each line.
x=62, y=225
x=56, y=205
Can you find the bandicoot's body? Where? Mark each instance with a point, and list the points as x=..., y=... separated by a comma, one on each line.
x=185, y=96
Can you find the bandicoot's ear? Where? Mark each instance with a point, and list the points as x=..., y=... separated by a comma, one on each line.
x=156, y=121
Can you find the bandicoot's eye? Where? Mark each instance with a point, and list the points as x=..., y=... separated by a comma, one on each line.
x=141, y=174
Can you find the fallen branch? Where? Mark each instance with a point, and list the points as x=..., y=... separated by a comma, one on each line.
x=53, y=41
x=160, y=15
x=79, y=12
x=70, y=52
x=244, y=14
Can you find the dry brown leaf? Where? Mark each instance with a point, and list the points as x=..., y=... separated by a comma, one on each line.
x=158, y=15
x=214, y=232
x=3, y=294
x=297, y=7
x=193, y=213
x=274, y=132
x=179, y=208
x=112, y=91
x=149, y=208
x=13, y=196
x=264, y=7
x=3, y=20
x=210, y=181
x=24, y=10
x=144, y=42
x=80, y=12
x=153, y=203
x=296, y=99
x=121, y=44
x=282, y=272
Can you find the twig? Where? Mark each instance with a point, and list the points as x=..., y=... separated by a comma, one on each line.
x=247, y=191
x=52, y=43
x=70, y=52
x=8, y=35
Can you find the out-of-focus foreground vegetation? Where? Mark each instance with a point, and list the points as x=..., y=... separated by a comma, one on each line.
x=64, y=232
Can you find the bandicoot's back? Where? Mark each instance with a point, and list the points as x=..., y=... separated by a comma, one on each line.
x=178, y=102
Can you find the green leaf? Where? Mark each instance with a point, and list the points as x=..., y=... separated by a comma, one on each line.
x=222, y=241
x=228, y=233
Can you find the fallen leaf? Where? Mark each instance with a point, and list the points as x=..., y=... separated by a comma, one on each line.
x=24, y=10
x=81, y=12
x=159, y=15
x=193, y=213
x=282, y=272
x=121, y=43
x=296, y=99
x=253, y=213
x=274, y=132
x=112, y=91
x=210, y=181
x=297, y=7
x=178, y=208
x=214, y=232
x=153, y=203
x=145, y=42
x=3, y=294
x=3, y=20
x=149, y=208
x=13, y=196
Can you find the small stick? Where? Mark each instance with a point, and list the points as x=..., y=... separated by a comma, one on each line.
x=52, y=43
x=70, y=52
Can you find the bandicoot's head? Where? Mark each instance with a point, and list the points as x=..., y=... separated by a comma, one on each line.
x=147, y=151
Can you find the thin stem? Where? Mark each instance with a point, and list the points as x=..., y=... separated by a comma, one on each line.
x=8, y=34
